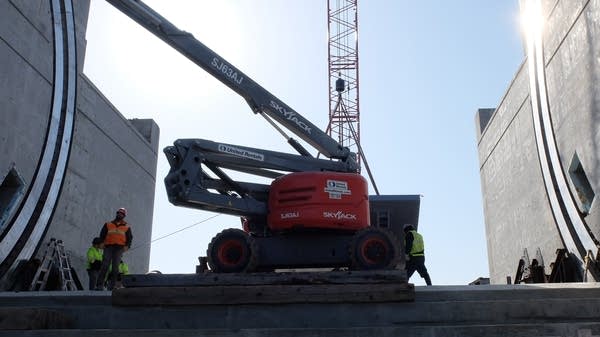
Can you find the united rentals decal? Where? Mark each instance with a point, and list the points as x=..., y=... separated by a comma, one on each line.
x=241, y=152
x=337, y=188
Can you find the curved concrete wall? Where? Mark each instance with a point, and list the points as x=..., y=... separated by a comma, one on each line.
x=68, y=159
x=517, y=201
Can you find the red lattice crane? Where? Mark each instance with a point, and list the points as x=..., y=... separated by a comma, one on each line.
x=344, y=107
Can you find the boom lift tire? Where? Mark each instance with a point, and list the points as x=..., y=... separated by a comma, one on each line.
x=232, y=251
x=374, y=248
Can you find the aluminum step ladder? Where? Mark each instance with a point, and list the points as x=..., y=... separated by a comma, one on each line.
x=54, y=255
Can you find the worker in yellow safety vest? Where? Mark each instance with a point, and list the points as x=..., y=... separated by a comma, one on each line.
x=94, y=262
x=123, y=270
x=117, y=238
x=414, y=248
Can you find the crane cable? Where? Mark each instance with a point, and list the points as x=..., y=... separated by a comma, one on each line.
x=175, y=232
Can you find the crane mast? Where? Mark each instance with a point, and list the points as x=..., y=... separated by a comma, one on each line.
x=344, y=108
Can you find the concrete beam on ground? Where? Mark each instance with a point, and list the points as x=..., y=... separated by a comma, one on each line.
x=438, y=311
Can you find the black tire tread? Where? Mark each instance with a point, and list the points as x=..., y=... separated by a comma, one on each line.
x=235, y=233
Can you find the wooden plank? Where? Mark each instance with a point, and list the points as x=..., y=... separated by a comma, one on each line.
x=263, y=294
x=206, y=279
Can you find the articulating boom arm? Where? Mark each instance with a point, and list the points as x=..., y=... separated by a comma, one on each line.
x=259, y=99
x=197, y=178
x=189, y=183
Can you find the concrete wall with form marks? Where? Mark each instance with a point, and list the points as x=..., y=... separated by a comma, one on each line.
x=68, y=158
x=517, y=173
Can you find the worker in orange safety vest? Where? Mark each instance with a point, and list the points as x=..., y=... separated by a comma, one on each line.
x=117, y=238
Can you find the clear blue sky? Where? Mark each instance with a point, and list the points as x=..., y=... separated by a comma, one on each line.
x=425, y=68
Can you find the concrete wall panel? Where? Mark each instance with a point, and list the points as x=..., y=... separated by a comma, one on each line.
x=37, y=13
x=24, y=95
x=112, y=161
x=516, y=208
x=33, y=43
x=26, y=90
x=112, y=165
x=574, y=90
x=516, y=96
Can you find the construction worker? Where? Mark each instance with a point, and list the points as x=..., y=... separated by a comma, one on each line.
x=414, y=248
x=117, y=238
x=123, y=270
x=94, y=262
